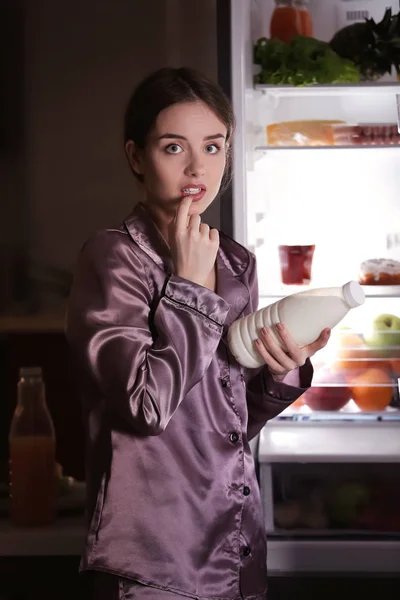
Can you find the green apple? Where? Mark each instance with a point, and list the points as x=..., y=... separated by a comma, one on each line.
x=385, y=331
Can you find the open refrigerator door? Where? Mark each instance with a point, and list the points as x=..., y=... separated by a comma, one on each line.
x=316, y=197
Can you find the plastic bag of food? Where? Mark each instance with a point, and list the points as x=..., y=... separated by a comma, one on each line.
x=301, y=133
x=332, y=133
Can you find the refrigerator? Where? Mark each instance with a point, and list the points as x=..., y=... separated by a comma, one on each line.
x=328, y=466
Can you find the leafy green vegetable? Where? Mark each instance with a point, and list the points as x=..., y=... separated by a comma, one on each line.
x=304, y=61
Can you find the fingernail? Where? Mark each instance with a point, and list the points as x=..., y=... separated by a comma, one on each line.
x=264, y=331
x=279, y=326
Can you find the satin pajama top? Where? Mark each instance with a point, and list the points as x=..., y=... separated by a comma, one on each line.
x=173, y=499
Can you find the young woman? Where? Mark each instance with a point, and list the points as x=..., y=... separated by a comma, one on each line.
x=173, y=502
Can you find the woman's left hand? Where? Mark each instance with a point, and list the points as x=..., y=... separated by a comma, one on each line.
x=283, y=360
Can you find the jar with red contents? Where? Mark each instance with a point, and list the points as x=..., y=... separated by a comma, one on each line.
x=290, y=18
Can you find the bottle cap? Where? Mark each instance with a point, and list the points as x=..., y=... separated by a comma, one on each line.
x=353, y=294
x=26, y=372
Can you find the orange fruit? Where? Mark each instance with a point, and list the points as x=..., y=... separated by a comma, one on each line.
x=372, y=389
x=350, y=346
x=395, y=365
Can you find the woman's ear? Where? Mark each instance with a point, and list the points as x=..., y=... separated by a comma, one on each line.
x=134, y=157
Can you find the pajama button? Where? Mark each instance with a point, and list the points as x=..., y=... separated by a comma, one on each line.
x=234, y=437
x=246, y=491
x=246, y=551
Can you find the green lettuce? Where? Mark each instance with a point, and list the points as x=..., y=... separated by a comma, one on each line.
x=304, y=61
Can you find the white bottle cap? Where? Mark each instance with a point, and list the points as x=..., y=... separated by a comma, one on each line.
x=353, y=294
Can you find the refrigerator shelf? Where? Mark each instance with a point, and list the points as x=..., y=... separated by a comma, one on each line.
x=336, y=416
x=338, y=556
x=335, y=441
x=265, y=149
x=370, y=291
x=378, y=291
x=351, y=89
x=333, y=534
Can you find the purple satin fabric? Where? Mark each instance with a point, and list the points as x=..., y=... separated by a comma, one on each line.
x=103, y=586
x=173, y=500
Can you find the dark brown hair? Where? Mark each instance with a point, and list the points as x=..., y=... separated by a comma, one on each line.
x=169, y=86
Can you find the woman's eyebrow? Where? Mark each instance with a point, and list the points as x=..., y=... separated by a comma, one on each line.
x=215, y=136
x=176, y=136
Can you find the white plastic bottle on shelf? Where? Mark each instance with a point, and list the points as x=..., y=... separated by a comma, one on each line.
x=305, y=314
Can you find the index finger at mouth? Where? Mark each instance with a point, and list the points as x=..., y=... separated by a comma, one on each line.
x=182, y=214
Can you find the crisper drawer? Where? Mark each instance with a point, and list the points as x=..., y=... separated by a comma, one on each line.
x=331, y=500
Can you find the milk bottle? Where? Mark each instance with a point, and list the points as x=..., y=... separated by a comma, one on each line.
x=305, y=314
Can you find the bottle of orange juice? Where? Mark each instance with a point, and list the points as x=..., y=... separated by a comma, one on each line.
x=305, y=17
x=285, y=21
x=32, y=454
x=291, y=18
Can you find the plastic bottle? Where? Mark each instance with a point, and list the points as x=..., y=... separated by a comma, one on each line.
x=305, y=314
x=32, y=454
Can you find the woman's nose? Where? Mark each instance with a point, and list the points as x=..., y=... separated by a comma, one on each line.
x=195, y=167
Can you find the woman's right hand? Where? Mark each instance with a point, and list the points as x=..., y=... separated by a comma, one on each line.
x=193, y=244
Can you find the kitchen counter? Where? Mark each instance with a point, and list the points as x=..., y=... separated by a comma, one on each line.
x=64, y=538
x=42, y=322
x=49, y=318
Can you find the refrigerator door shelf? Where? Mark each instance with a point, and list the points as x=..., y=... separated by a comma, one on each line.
x=350, y=441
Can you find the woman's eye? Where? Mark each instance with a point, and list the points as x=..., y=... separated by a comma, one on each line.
x=173, y=149
x=212, y=148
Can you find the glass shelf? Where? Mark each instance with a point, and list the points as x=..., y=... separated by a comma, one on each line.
x=352, y=89
x=370, y=291
x=347, y=417
x=352, y=148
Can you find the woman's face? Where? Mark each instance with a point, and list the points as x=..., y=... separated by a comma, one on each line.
x=185, y=156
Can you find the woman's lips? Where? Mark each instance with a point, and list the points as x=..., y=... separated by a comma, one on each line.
x=194, y=192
